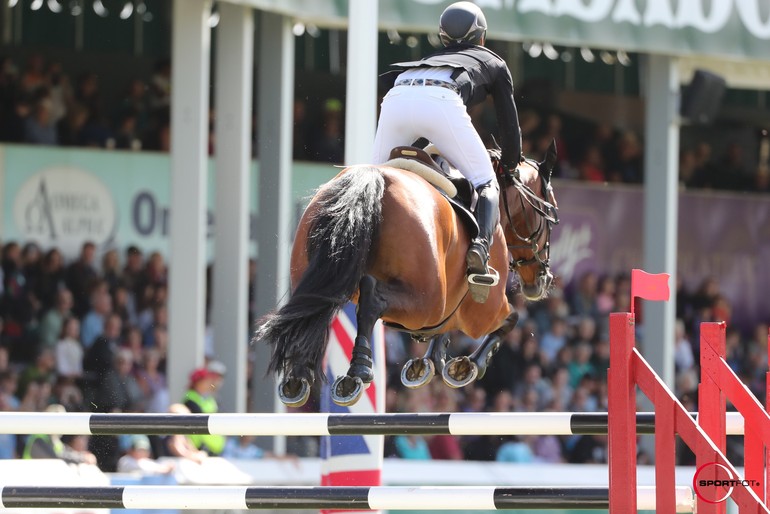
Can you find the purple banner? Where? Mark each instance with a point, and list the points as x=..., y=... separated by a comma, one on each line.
x=724, y=236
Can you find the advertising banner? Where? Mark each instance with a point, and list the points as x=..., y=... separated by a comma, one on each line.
x=723, y=236
x=729, y=28
x=63, y=197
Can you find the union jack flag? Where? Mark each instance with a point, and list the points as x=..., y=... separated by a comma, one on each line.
x=353, y=460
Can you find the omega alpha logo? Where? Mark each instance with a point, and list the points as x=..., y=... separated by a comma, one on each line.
x=714, y=482
x=64, y=207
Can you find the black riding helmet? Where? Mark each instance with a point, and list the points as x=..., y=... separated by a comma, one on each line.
x=462, y=22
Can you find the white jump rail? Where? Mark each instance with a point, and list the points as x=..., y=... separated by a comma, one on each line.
x=338, y=498
x=310, y=424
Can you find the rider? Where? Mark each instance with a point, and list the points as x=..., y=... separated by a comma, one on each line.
x=448, y=83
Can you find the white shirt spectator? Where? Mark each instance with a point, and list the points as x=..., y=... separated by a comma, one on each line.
x=69, y=357
x=683, y=356
x=137, y=458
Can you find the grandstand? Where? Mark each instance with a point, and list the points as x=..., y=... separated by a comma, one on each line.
x=190, y=194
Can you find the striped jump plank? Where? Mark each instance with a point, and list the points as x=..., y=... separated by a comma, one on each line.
x=342, y=498
x=311, y=424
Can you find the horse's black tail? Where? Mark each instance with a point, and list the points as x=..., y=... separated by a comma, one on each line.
x=339, y=240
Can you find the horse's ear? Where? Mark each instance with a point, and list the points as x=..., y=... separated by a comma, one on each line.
x=545, y=168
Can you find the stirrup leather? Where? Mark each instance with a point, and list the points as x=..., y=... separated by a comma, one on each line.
x=481, y=277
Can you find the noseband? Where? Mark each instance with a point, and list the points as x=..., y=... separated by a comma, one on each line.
x=548, y=216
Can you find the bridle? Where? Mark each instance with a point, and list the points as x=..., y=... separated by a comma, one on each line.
x=548, y=216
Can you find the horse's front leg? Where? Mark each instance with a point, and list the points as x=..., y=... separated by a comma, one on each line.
x=347, y=389
x=461, y=371
x=418, y=372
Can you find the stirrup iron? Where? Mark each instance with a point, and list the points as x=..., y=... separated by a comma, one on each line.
x=490, y=279
x=480, y=284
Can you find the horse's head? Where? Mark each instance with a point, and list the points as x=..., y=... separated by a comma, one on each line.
x=529, y=211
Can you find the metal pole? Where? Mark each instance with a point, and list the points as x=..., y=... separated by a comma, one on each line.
x=189, y=168
x=361, y=90
x=661, y=206
x=274, y=105
x=235, y=55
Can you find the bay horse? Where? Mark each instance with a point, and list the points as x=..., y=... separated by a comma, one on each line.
x=390, y=241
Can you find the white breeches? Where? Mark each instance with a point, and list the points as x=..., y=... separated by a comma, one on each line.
x=439, y=115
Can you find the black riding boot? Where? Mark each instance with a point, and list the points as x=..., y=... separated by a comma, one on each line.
x=477, y=258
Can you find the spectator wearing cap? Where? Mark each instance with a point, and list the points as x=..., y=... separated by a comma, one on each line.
x=138, y=458
x=200, y=399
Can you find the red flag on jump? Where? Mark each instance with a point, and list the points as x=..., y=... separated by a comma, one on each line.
x=649, y=286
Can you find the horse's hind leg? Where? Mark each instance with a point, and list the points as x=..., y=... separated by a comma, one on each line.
x=294, y=390
x=461, y=371
x=418, y=372
x=347, y=389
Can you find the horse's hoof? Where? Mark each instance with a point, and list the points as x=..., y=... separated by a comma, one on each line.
x=459, y=372
x=347, y=390
x=483, y=363
x=417, y=372
x=294, y=392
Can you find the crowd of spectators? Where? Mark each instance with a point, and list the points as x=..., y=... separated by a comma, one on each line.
x=91, y=336
x=598, y=152
x=41, y=104
x=84, y=335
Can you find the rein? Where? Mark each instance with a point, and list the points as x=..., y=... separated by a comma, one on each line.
x=548, y=217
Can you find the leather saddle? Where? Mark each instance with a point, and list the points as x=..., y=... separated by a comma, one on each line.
x=446, y=179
